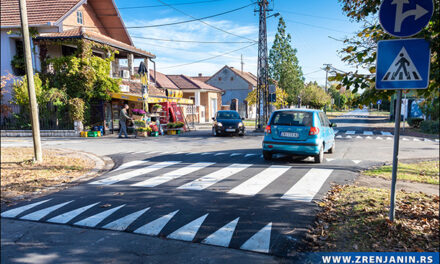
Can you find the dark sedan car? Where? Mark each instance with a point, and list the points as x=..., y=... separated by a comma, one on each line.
x=227, y=122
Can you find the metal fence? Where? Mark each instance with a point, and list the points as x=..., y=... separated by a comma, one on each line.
x=15, y=118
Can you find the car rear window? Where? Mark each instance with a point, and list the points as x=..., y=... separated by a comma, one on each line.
x=228, y=115
x=292, y=119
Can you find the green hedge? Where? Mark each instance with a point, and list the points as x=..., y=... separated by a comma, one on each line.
x=429, y=126
x=415, y=122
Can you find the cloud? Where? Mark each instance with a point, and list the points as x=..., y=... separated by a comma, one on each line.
x=176, y=53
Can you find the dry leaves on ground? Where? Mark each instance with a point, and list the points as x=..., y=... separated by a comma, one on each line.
x=20, y=176
x=356, y=219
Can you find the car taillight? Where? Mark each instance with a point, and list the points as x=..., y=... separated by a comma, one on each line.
x=268, y=130
x=314, y=131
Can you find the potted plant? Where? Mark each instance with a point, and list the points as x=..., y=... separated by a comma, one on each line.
x=143, y=131
x=157, y=108
x=179, y=126
x=137, y=114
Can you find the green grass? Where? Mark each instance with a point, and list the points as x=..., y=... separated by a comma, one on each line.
x=423, y=172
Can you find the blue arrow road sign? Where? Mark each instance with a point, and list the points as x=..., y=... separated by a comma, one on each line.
x=379, y=102
x=402, y=64
x=405, y=18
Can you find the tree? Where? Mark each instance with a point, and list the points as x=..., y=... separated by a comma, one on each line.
x=361, y=50
x=284, y=66
x=315, y=96
x=280, y=94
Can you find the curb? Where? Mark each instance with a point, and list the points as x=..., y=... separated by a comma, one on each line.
x=103, y=164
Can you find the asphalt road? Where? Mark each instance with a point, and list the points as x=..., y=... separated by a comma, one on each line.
x=206, y=190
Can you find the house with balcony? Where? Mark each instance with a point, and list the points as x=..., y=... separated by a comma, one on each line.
x=56, y=26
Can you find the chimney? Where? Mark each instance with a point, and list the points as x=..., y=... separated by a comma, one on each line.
x=200, y=75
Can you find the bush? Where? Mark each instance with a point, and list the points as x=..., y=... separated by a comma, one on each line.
x=415, y=122
x=76, y=109
x=429, y=126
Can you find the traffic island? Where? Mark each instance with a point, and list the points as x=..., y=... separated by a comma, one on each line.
x=21, y=178
x=353, y=218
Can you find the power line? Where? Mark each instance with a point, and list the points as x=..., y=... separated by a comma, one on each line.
x=312, y=72
x=201, y=21
x=309, y=15
x=193, y=41
x=150, y=6
x=175, y=23
x=210, y=58
x=315, y=26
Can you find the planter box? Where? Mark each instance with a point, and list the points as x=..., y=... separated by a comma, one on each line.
x=142, y=134
x=137, y=117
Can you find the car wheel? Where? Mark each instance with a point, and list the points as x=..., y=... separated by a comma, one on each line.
x=267, y=155
x=241, y=134
x=320, y=157
x=214, y=132
x=333, y=148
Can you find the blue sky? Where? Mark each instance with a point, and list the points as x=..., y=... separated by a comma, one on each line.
x=309, y=22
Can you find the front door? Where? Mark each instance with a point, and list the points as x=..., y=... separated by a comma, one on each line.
x=213, y=106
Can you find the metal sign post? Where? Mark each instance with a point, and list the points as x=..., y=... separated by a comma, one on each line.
x=403, y=63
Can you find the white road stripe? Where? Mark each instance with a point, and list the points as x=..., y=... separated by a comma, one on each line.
x=122, y=223
x=94, y=220
x=188, y=231
x=358, y=137
x=348, y=137
x=350, y=132
x=235, y=154
x=218, y=154
x=416, y=139
x=386, y=133
x=66, y=217
x=405, y=139
x=339, y=136
x=16, y=211
x=134, y=173
x=35, y=216
x=436, y=140
x=223, y=236
x=249, y=155
x=131, y=164
x=368, y=133
x=155, y=181
x=153, y=228
x=357, y=161
x=308, y=186
x=427, y=140
x=205, y=153
x=380, y=138
x=257, y=183
x=329, y=159
x=389, y=138
x=212, y=178
x=259, y=242
x=368, y=137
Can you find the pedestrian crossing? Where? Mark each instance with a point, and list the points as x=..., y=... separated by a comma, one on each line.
x=375, y=135
x=259, y=241
x=254, y=178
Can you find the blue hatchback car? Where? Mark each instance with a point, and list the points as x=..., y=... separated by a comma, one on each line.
x=301, y=132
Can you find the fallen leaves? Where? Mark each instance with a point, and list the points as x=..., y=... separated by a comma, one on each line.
x=356, y=219
x=20, y=176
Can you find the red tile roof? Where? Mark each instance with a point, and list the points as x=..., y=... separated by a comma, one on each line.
x=201, y=78
x=80, y=32
x=39, y=11
x=187, y=83
x=247, y=76
x=162, y=80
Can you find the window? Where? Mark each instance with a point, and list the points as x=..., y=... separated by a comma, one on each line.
x=292, y=118
x=79, y=17
x=219, y=78
x=232, y=78
x=68, y=51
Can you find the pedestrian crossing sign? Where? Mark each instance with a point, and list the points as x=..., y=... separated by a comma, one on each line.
x=402, y=64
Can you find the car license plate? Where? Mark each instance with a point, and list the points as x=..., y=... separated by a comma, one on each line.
x=230, y=130
x=289, y=134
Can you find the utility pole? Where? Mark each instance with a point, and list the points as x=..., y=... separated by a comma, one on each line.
x=327, y=69
x=262, y=72
x=38, y=153
x=242, y=63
